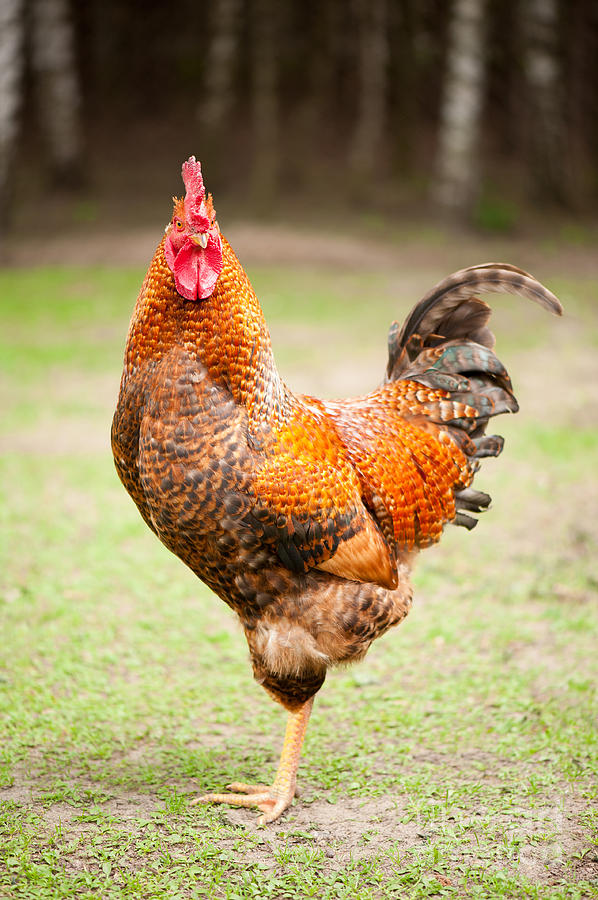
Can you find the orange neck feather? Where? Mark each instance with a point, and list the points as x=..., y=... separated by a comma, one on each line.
x=227, y=333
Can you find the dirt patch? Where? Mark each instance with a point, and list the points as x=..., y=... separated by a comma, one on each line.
x=542, y=841
x=351, y=829
x=544, y=849
x=260, y=243
x=348, y=829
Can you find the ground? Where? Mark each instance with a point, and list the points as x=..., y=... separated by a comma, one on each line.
x=459, y=759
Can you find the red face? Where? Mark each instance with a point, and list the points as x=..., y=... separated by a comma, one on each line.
x=193, y=247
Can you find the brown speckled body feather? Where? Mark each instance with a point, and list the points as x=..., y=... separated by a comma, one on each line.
x=302, y=515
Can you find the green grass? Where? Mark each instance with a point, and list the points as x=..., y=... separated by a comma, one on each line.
x=459, y=759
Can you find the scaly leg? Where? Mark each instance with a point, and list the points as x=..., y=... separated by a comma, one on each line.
x=271, y=799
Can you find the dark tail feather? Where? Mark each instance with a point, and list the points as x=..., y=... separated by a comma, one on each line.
x=488, y=445
x=473, y=501
x=451, y=311
x=446, y=345
x=465, y=521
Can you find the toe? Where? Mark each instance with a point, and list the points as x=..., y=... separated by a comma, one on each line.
x=234, y=799
x=241, y=787
x=272, y=811
x=266, y=798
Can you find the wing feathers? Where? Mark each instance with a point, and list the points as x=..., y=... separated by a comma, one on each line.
x=364, y=557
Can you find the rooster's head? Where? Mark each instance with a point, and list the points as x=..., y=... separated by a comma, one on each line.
x=193, y=247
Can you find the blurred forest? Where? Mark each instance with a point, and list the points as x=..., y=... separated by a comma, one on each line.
x=476, y=108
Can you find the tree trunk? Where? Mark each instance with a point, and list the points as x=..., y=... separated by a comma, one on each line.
x=319, y=105
x=214, y=111
x=458, y=174
x=265, y=105
x=403, y=30
x=373, y=63
x=11, y=68
x=544, y=77
x=57, y=88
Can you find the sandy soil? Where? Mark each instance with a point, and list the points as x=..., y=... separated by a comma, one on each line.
x=258, y=243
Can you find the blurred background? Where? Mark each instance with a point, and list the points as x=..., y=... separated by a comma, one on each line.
x=357, y=152
x=483, y=110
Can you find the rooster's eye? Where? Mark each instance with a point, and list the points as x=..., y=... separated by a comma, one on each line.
x=178, y=225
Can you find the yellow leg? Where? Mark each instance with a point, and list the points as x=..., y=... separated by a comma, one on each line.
x=271, y=799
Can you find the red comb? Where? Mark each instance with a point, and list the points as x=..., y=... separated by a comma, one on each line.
x=195, y=208
x=193, y=180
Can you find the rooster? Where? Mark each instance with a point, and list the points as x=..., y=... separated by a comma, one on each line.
x=303, y=515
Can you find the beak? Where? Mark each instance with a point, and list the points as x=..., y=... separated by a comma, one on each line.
x=200, y=239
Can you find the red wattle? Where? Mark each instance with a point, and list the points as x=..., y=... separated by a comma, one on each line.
x=196, y=270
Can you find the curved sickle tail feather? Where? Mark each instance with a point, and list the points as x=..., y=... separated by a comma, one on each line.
x=451, y=310
x=445, y=344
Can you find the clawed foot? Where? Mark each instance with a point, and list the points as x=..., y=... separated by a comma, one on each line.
x=263, y=796
x=273, y=799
